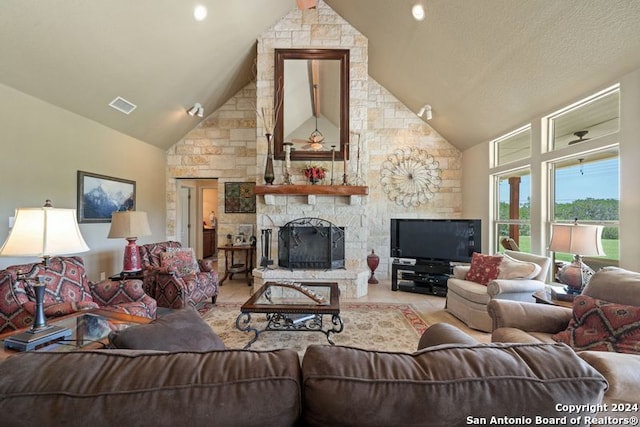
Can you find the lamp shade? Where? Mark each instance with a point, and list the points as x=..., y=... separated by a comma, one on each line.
x=129, y=224
x=577, y=239
x=44, y=232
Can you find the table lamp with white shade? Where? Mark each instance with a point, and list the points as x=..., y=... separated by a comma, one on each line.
x=580, y=240
x=41, y=232
x=130, y=225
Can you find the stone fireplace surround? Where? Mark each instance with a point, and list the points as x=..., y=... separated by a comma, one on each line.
x=318, y=28
x=347, y=213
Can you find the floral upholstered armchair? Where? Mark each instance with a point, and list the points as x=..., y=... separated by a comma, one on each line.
x=174, y=277
x=67, y=290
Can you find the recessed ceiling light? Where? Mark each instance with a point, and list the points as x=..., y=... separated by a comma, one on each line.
x=200, y=12
x=418, y=12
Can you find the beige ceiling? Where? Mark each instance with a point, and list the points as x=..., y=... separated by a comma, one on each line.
x=486, y=66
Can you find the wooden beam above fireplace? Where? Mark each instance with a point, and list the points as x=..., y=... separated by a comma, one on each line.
x=305, y=190
x=311, y=191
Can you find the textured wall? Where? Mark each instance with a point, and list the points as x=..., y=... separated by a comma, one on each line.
x=230, y=145
x=223, y=146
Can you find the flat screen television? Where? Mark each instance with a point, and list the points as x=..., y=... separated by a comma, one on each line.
x=439, y=240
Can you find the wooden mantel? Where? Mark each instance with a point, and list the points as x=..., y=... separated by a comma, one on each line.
x=269, y=191
x=305, y=190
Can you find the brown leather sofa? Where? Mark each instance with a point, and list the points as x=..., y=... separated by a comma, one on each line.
x=517, y=322
x=452, y=381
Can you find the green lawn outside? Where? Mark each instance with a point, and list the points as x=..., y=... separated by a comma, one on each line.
x=611, y=249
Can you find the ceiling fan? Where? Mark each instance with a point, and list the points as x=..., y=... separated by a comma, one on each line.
x=580, y=134
x=315, y=139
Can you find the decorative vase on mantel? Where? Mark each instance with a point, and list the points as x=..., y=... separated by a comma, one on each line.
x=269, y=175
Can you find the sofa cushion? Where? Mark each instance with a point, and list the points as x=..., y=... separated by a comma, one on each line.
x=602, y=325
x=441, y=386
x=484, y=268
x=518, y=335
x=615, y=284
x=511, y=268
x=112, y=388
x=180, y=260
x=180, y=330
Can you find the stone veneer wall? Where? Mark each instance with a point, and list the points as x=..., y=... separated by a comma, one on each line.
x=229, y=145
x=222, y=146
x=316, y=28
x=391, y=125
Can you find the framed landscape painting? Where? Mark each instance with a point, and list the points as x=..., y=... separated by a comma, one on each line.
x=99, y=196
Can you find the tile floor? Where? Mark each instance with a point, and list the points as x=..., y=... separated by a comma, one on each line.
x=428, y=306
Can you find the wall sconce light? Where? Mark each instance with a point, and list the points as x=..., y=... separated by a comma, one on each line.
x=196, y=110
x=426, y=109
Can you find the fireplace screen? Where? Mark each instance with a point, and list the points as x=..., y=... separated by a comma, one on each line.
x=311, y=243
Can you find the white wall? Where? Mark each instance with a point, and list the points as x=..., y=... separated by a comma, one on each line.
x=476, y=185
x=629, y=171
x=476, y=192
x=44, y=146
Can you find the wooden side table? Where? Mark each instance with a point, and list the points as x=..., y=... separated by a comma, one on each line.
x=232, y=267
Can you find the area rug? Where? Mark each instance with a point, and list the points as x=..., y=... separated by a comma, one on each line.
x=372, y=326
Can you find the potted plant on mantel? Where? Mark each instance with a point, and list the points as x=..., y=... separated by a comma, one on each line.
x=314, y=173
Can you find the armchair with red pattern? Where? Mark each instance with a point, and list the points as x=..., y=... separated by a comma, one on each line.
x=67, y=290
x=174, y=277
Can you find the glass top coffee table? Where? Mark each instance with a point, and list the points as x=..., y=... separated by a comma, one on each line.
x=292, y=306
x=89, y=330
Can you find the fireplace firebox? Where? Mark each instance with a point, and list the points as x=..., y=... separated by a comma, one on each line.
x=311, y=243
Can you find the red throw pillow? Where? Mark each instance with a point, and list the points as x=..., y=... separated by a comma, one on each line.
x=484, y=268
x=602, y=325
x=180, y=260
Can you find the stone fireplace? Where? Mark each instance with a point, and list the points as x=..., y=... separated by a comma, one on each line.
x=343, y=227
x=318, y=28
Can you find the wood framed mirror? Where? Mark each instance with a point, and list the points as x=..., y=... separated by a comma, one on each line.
x=312, y=89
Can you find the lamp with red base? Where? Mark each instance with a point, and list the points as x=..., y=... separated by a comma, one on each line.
x=130, y=225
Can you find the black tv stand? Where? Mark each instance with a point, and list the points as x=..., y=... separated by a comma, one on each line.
x=422, y=277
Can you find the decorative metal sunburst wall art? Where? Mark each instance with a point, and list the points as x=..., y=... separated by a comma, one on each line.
x=410, y=176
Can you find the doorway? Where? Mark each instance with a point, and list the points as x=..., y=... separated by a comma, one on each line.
x=197, y=211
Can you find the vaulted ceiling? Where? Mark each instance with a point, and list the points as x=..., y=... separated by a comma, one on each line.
x=486, y=66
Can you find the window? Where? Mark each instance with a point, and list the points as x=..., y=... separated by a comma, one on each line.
x=594, y=117
x=586, y=188
x=513, y=146
x=572, y=169
x=512, y=215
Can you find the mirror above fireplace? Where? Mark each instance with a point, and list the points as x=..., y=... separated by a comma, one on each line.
x=312, y=88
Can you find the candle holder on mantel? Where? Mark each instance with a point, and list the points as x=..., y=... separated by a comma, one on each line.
x=269, y=175
x=373, y=261
x=287, y=162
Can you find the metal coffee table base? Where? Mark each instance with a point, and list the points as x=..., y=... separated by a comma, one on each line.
x=291, y=322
